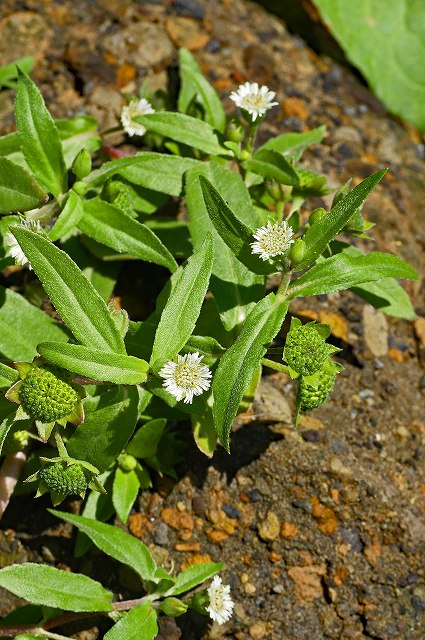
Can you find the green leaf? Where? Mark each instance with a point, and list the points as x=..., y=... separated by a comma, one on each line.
x=106, y=431
x=324, y=230
x=274, y=166
x=181, y=312
x=23, y=326
x=68, y=218
x=6, y=425
x=9, y=72
x=139, y=622
x=240, y=362
x=109, y=225
x=8, y=373
x=77, y=301
x=386, y=41
x=115, y=543
x=19, y=191
x=192, y=576
x=293, y=145
x=184, y=129
x=41, y=584
x=145, y=442
x=235, y=233
x=124, y=492
x=39, y=137
x=344, y=271
x=79, y=132
x=236, y=289
x=100, y=365
x=204, y=433
x=195, y=83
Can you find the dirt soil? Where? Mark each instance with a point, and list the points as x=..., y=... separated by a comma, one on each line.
x=322, y=529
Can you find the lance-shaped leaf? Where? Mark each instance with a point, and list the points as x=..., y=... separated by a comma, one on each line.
x=106, y=431
x=68, y=218
x=6, y=424
x=19, y=191
x=115, y=543
x=41, y=584
x=240, y=362
x=324, y=230
x=273, y=166
x=124, y=492
x=77, y=301
x=184, y=129
x=181, y=312
x=140, y=622
x=109, y=225
x=292, y=145
x=344, y=271
x=9, y=72
x=7, y=373
x=100, y=365
x=192, y=576
x=235, y=233
x=39, y=137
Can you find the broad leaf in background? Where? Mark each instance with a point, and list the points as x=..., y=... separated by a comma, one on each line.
x=240, y=362
x=324, y=230
x=292, y=145
x=192, y=576
x=105, y=432
x=41, y=584
x=236, y=289
x=19, y=191
x=109, y=225
x=344, y=271
x=272, y=165
x=68, y=218
x=23, y=326
x=139, y=622
x=100, y=365
x=145, y=441
x=9, y=72
x=115, y=543
x=39, y=137
x=124, y=492
x=181, y=312
x=386, y=41
x=184, y=129
x=78, y=303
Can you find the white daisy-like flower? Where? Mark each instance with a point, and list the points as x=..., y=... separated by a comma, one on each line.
x=221, y=604
x=135, y=108
x=13, y=247
x=187, y=377
x=272, y=240
x=254, y=99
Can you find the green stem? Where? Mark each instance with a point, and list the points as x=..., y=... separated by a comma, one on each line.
x=279, y=210
x=275, y=365
x=283, y=287
x=53, y=636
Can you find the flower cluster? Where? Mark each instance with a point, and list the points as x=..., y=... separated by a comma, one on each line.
x=135, y=108
x=187, y=377
x=272, y=240
x=221, y=605
x=14, y=250
x=254, y=99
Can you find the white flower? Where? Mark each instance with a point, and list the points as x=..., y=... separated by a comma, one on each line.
x=135, y=108
x=14, y=250
x=186, y=378
x=254, y=99
x=272, y=240
x=221, y=604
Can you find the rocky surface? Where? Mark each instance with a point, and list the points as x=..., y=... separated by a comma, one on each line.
x=322, y=529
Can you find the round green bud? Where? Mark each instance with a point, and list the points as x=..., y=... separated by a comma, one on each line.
x=316, y=215
x=81, y=188
x=46, y=393
x=81, y=165
x=310, y=396
x=305, y=349
x=245, y=155
x=274, y=190
x=235, y=132
x=173, y=607
x=127, y=462
x=59, y=478
x=297, y=251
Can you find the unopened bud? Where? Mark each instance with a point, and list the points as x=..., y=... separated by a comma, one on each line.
x=245, y=155
x=81, y=166
x=235, y=132
x=297, y=251
x=173, y=607
x=316, y=215
x=127, y=462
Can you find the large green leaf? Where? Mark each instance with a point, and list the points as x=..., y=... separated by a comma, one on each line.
x=41, y=584
x=106, y=431
x=68, y=218
x=184, y=129
x=23, y=326
x=240, y=362
x=274, y=166
x=124, y=492
x=344, y=271
x=115, y=543
x=145, y=441
x=386, y=41
x=109, y=225
x=19, y=191
x=292, y=145
x=139, y=622
x=39, y=137
x=192, y=576
x=77, y=301
x=100, y=365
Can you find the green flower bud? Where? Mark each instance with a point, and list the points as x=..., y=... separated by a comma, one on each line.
x=310, y=395
x=81, y=188
x=46, y=393
x=245, y=155
x=316, y=215
x=15, y=442
x=64, y=480
x=274, y=190
x=81, y=165
x=297, y=251
x=305, y=349
x=173, y=607
x=199, y=601
x=235, y=132
x=127, y=462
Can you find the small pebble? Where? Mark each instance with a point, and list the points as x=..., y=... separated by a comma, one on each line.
x=311, y=435
x=269, y=528
x=302, y=504
x=254, y=495
x=161, y=535
x=250, y=589
x=231, y=511
x=366, y=393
